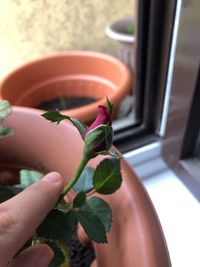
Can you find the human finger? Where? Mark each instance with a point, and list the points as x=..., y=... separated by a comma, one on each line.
x=20, y=215
x=35, y=256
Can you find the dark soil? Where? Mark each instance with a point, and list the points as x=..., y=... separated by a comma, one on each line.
x=81, y=256
x=66, y=103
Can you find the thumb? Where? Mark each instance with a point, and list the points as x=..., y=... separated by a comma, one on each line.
x=20, y=215
x=36, y=256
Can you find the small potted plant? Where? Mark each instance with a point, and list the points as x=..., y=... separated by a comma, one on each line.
x=124, y=31
x=135, y=236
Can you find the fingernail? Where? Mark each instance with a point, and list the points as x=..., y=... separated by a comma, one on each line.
x=52, y=177
x=45, y=258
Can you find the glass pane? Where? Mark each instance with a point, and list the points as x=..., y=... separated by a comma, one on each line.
x=32, y=29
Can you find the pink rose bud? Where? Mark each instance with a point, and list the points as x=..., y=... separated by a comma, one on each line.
x=99, y=135
x=103, y=118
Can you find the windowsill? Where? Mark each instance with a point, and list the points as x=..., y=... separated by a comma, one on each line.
x=177, y=209
x=192, y=165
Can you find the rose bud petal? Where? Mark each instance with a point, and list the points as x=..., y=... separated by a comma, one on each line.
x=103, y=118
x=99, y=135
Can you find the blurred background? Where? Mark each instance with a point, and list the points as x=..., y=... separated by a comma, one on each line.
x=30, y=28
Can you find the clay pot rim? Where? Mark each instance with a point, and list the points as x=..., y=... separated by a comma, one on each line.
x=112, y=32
x=90, y=110
x=76, y=53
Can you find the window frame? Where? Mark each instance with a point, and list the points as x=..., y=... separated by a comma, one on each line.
x=153, y=45
x=166, y=130
x=182, y=119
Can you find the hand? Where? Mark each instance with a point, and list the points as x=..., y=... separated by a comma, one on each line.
x=20, y=216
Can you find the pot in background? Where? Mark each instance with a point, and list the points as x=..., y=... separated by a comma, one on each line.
x=121, y=31
x=74, y=73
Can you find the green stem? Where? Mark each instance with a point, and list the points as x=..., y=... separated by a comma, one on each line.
x=65, y=250
x=81, y=167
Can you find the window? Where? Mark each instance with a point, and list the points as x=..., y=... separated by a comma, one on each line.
x=174, y=89
x=156, y=21
x=181, y=139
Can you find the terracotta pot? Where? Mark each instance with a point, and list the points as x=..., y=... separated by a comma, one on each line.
x=118, y=31
x=75, y=73
x=136, y=238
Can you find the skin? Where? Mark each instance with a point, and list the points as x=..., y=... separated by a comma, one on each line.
x=20, y=216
